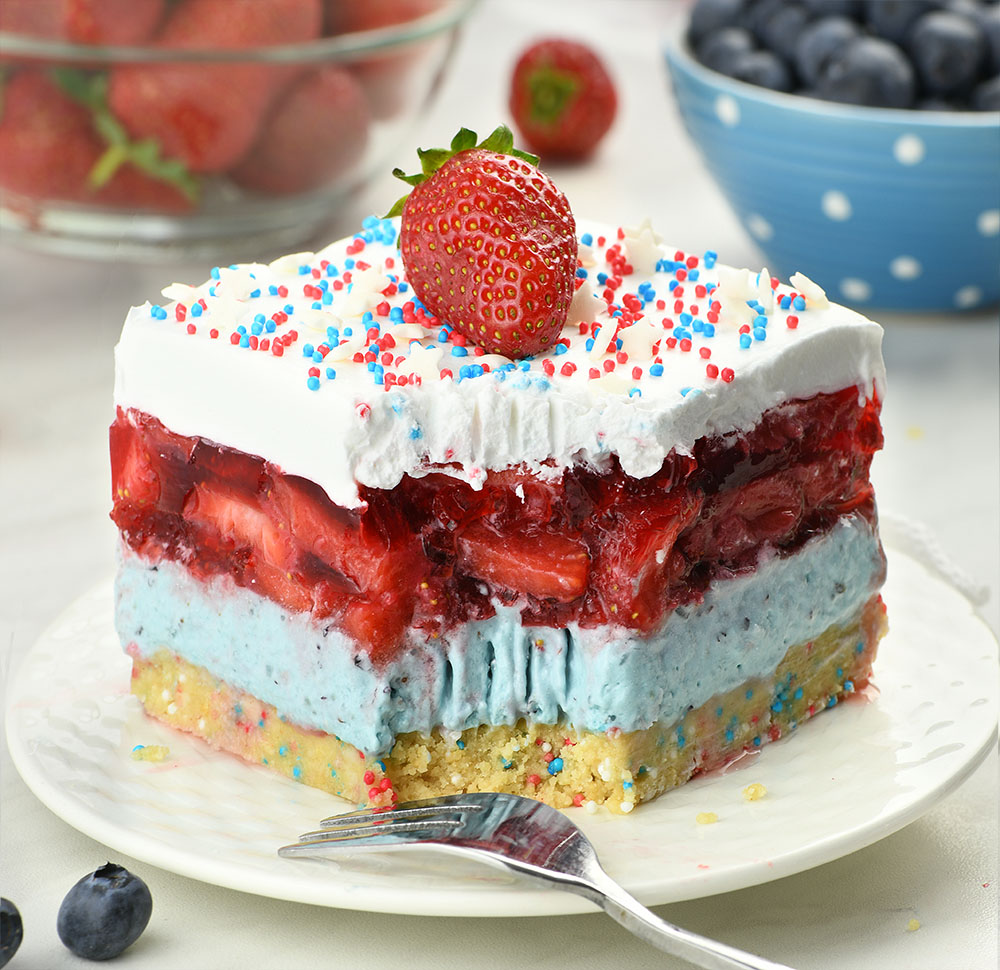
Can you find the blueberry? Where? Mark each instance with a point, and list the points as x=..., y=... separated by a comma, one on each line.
x=937, y=104
x=104, y=913
x=833, y=8
x=11, y=930
x=780, y=31
x=871, y=72
x=762, y=68
x=987, y=16
x=892, y=19
x=720, y=48
x=711, y=15
x=947, y=50
x=986, y=96
x=819, y=42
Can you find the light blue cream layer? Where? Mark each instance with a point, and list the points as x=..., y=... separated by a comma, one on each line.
x=496, y=671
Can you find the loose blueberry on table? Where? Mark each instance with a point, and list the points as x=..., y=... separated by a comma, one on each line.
x=941, y=55
x=11, y=931
x=104, y=913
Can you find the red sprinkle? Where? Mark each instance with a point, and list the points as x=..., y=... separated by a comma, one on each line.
x=712, y=370
x=792, y=321
x=191, y=328
x=727, y=375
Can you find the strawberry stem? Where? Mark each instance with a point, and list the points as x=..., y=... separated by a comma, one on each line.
x=91, y=90
x=552, y=91
x=500, y=140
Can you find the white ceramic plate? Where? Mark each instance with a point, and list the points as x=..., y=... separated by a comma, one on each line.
x=839, y=783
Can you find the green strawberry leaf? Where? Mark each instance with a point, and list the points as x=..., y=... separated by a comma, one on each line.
x=91, y=91
x=431, y=159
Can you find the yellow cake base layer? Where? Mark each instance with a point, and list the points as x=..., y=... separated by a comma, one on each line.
x=557, y=764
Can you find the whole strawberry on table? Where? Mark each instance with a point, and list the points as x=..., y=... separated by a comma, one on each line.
x=489, y=243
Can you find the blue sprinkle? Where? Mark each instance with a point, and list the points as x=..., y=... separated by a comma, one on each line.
x=332, y=270
x=760, y=320
x=634, y=392
x=560, y=349
x=860, y=648
x=756, y=742
x=297, y=771
x=708, y=329
x=307, y=350
x=602, y=278
x=849, y=686
x=324, y=285
x=318, y=357
x=555, y=766
x=255, y=293
x=459, y=352
x=460, y=744
x=673, y=284
x=260, y=318
x=313, y=383
x=777, y=707
x=303, y=270
x=697, y=325
x=799, y=303
x=685, y=391
x=840, y=672
x=709, y=258
x=158, y=313
x=241, y=329
x=244, y=341
x=759, y=333
x=273, y=290
x=627, y=785
x=215, y=273
x=685, y=319
x=590, y=343
x=416, y=433
x=785, y=302
x=139, y=747
x=256, y=328
x=581, y=273
x=832, y=702
x=745, y=340
x=749, y=694
x=316, y=305
x=196, y=310
x=283, y=750
x=729, y=734
x=348, y=332
x=270, y=326
x=587, y=239
x=327, y=299
x=693, y=274
x=797, y=695
x=348, y=263
x=656, y=370
x=507, y=765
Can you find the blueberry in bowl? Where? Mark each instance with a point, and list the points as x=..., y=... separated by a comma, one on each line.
x=868, y=157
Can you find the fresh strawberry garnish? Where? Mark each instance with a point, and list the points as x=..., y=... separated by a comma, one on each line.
x=315, y=132
x=489, y=243
x=530, y=560
x=562, y=99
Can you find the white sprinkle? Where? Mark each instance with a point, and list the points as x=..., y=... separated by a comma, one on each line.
x=627, y=807
x=166, y=695
x=590, y=806
x=546, y=747
x=171, y=708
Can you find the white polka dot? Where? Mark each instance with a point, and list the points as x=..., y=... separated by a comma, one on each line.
x=988, y=222
x=909, y=150
x=968, y=296
x=727, y=110
x=905, y=268
x=759, y=227
x=836, y=205
x=855, y=289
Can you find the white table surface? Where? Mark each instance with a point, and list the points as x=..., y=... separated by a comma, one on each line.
x=940, y=465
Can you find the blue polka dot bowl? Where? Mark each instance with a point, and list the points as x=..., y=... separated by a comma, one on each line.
x=884, y=208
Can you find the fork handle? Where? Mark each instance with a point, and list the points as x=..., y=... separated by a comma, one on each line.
x=697, y=950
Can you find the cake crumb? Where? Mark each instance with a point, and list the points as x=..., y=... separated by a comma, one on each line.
x=913, y=926
x=150, y=752
x=754, y=792
x=706, y=818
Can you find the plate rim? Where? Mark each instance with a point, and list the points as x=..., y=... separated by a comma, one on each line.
x=515, y=899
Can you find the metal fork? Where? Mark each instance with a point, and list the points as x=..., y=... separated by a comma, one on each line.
x=528, y=837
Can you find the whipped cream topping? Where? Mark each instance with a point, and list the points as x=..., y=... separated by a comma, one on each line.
x=326, y=365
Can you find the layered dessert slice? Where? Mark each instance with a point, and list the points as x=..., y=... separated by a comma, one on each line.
x=365, y=552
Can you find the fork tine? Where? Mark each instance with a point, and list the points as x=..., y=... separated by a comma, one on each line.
x=429, y=808
x=404, y=830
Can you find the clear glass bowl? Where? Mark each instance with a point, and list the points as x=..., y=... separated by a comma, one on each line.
x=148, y=151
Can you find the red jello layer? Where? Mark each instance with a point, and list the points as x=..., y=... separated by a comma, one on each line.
x=585, y=546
